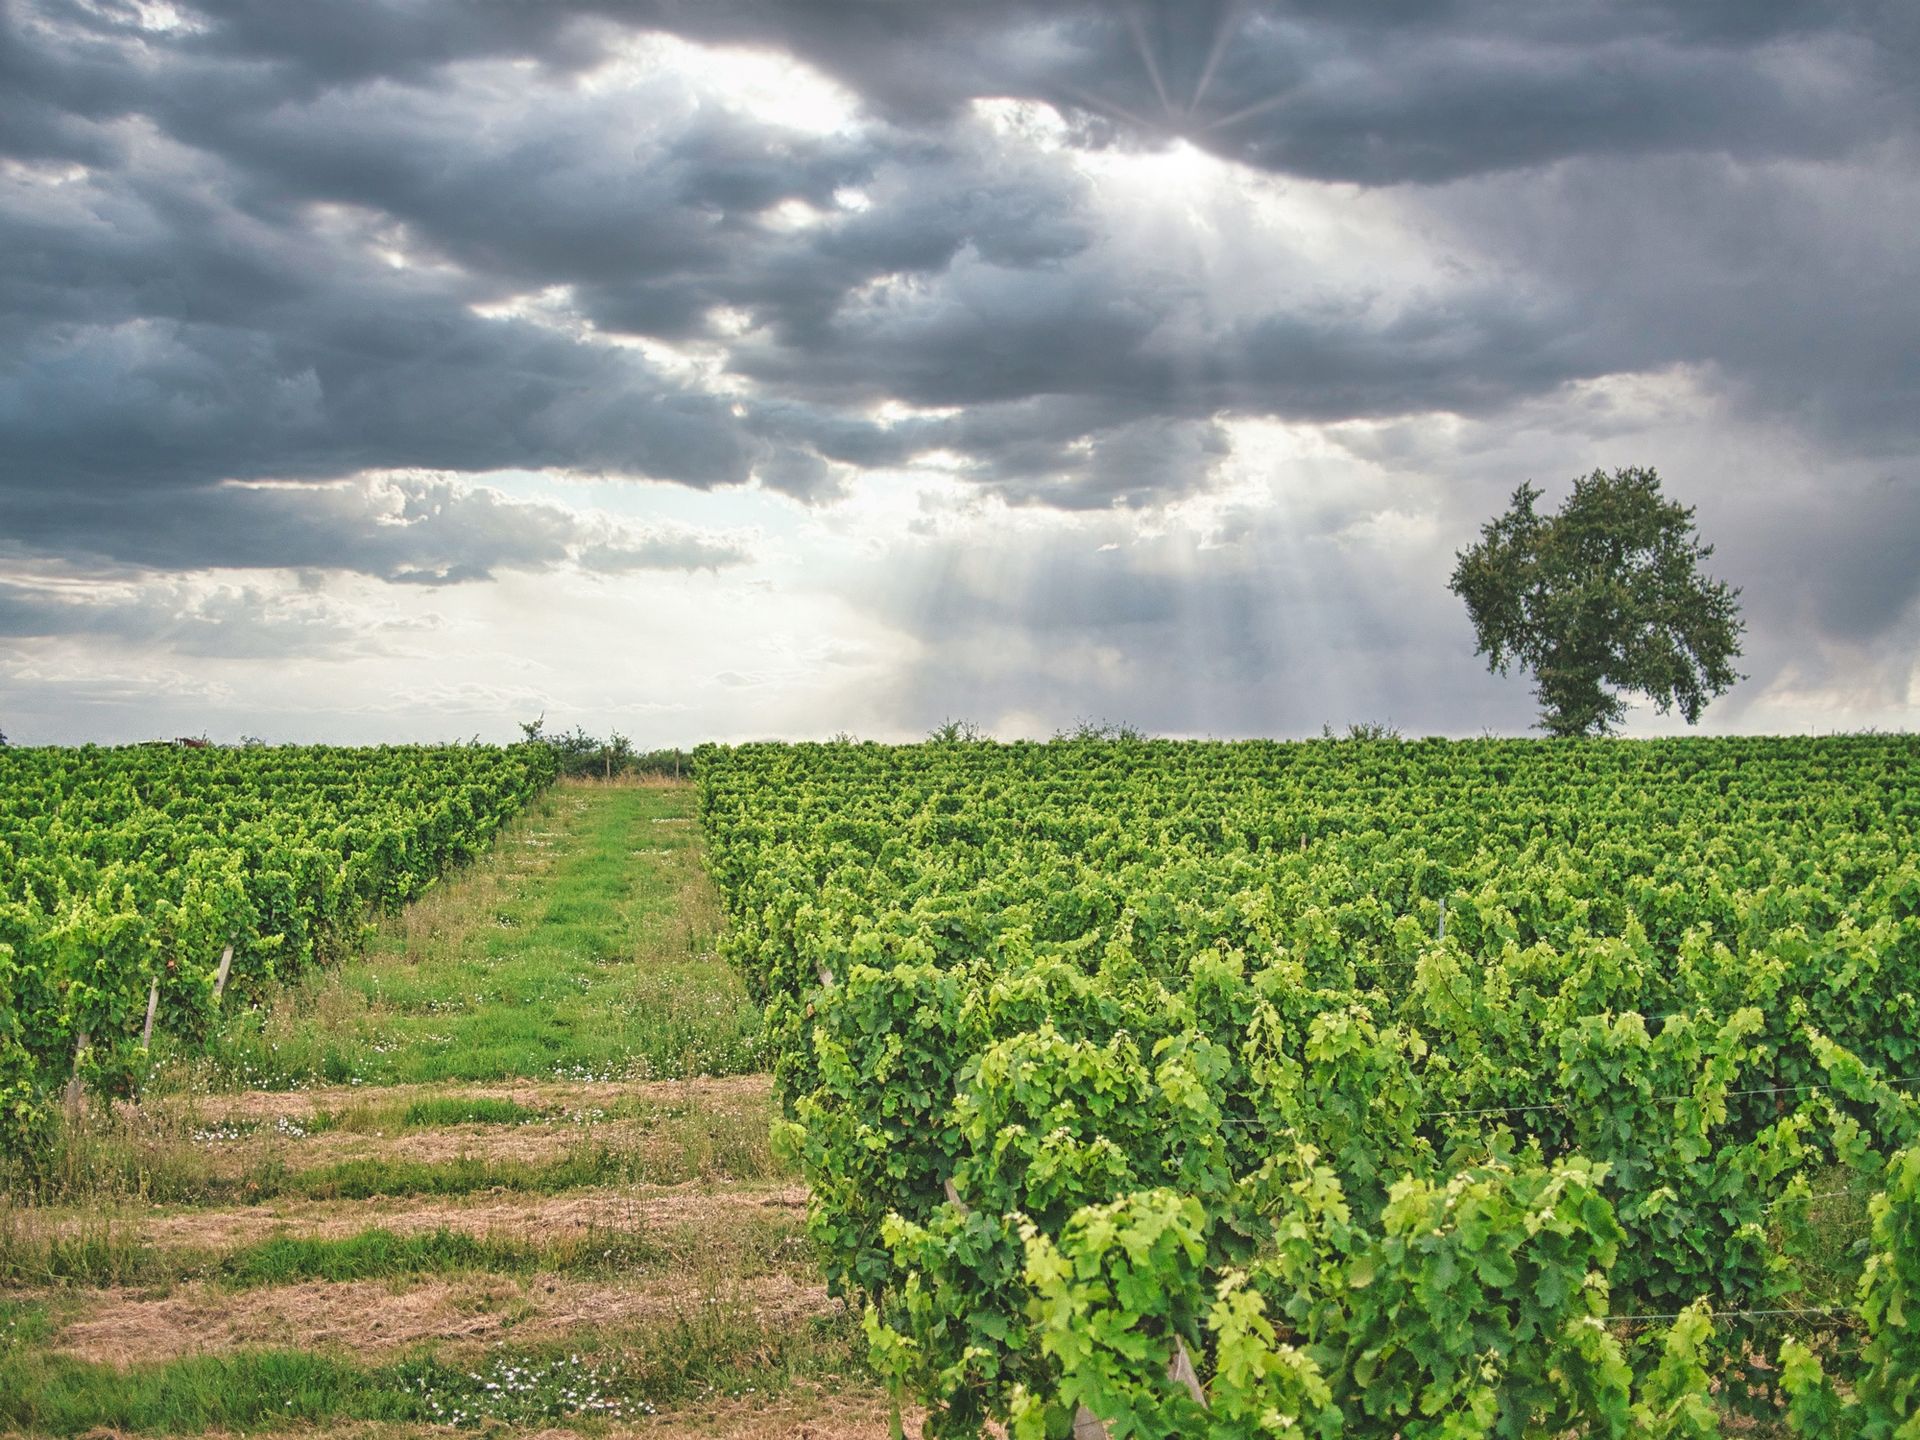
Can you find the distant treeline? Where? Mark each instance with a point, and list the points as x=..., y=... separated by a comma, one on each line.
x=582, y=754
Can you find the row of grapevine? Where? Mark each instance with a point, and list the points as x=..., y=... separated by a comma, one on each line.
x=128, y=875
x=1442, y=1089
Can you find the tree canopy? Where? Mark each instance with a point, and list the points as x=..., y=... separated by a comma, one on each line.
x=1605, y=596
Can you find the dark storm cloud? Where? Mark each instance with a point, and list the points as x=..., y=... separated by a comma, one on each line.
x=983, y=337
x=1799, y=288
x=1842, y=561
x=396, y=39
x=645, y=185
x=1128, y=463
x=175, y=343
x=421, y=531
x=1376, y=93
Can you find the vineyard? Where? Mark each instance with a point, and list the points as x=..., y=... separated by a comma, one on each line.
x=141, y=886
x=1360, y=1089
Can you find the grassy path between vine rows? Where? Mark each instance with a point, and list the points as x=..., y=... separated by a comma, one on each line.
x=507, y=1169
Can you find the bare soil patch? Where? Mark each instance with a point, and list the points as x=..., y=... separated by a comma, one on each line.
x=513, y=1216
x=804, y=1415
x=500, y=1144
x=234, y=1136
x=373, y=1318
x=834, y=1417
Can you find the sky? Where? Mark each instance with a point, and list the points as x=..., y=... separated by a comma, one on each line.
x=718, y=370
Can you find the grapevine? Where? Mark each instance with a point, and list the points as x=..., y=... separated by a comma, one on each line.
x=1435, y=1089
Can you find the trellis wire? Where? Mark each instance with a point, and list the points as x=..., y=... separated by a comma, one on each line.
x=1660, y=1099
x=1740, y=1314
x=1566, y=1104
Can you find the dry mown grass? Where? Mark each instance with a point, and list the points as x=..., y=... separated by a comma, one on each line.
x=806, y=1413
x=258, y=1146
x=557, y=1098
x=373, y=1319
x=679, y=1210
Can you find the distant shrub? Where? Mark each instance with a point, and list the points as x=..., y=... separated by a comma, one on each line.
x=957, y=732
x=1100, y=730
x=582, y=754
x=1362, y=730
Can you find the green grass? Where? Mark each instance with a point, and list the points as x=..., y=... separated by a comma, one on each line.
x=372, y=1254
x=585, y=1167
x=23, y=1324
x=687, y=1144
x=102, y=1251
x=754, y=1246
x=709, y=1352
x=1830, y=1254
x=375, y=1116
x=381, y=1254
x=582, y=948
x=465, y=1110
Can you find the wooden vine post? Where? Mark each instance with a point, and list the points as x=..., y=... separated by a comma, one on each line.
x=76, y=1091
x=220, y=976
x=153, y=1004
x=1088, y=1426
x=1182, y=1370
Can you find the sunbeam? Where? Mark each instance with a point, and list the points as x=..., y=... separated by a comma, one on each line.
x=1248, y=112
x=1136, y=26
x=1225, y=27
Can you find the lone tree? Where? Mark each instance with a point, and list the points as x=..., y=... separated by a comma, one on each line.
x=1605, y=595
